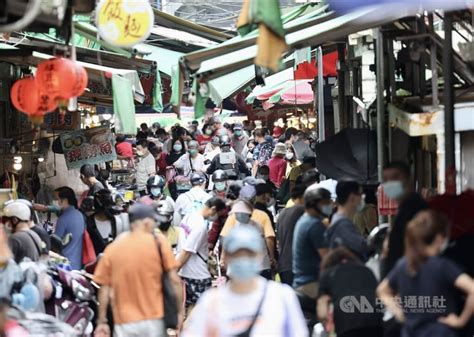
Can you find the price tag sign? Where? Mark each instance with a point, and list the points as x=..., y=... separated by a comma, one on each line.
x=124, y=23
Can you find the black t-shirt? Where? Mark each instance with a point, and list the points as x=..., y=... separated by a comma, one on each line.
x=43, y=235
x=25, y=244
x=428, y=295
x=351, y=285
x=285, y=227
x=396, y=243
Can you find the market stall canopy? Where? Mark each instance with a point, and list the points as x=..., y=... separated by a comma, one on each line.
x=316, y=28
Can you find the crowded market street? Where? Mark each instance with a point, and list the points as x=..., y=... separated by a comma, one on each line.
x=250, y=168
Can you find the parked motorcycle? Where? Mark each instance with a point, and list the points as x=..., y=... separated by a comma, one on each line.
x=73, y=300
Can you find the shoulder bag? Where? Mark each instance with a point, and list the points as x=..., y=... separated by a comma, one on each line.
x=170, y=304
x=247, y=332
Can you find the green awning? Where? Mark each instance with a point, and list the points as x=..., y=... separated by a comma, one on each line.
x=165, y=59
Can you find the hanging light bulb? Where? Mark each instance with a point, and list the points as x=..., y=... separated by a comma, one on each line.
x=17, y=160
x=106, y=117
x=17, y=166
x=40, y=159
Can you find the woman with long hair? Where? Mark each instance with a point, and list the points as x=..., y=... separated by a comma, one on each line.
x=428, y=285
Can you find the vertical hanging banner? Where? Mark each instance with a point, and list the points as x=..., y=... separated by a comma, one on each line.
x=91, y=146
x=124, y=23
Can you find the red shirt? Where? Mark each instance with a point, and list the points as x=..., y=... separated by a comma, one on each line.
x=203, y=139
x=124, y=149
x=277, y=166
x=161, y=164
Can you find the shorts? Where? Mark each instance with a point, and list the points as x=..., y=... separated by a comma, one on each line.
x=195, y=288
x=149, y=328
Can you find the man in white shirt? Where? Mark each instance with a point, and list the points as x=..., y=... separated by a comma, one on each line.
x=248, y=304
x=192, y=161
x=192, y=200
x=146, y=167
x=192, y=260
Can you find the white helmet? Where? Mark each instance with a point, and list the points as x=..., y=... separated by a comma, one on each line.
x=18, y=209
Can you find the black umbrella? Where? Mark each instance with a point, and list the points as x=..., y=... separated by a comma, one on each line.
x=350, y=154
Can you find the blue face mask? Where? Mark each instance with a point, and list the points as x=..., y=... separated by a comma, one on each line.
x=238, y=133
x=193, y=152
x=326, y=210
x=220, y=186
x=156, y=191
x=242, y=218
x=177, y=147
x=243, y=268
x=394, y=189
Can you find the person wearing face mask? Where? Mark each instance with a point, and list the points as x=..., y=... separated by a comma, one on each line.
x=155, y=186
x=192, y=260
x=204, y=138
x=398, y=186
x=239, y=139
x=23, y=242
x=422, y=273
x=177, y=150
x=229, y=161
x=71, y=223
x=290, y=157
x=243, y=213
x=175, y=235
x=342, y=231
x=265, y=200
x=192, y=161
x=309, y=244
x=277, y=165
x=247, y=305
x=146, y=166
x=219, y=180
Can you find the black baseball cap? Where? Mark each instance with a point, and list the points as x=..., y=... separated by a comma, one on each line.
x=141, y=211
x=198, y=178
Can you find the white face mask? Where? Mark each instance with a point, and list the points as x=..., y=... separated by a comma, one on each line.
x=361, y=205
x=289, y=155
x=394, y=189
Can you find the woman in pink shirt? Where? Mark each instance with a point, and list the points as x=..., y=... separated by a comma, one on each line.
x=277, y=164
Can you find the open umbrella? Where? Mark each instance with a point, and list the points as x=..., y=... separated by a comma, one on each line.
x=351, y=154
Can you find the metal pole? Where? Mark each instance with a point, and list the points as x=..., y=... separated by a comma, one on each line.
x=448, y=93
x=393, y=90
x=321, y=96
x=380, y=104
x=341, y=96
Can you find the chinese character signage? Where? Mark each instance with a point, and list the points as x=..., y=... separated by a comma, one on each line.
x=124, y=23
x=90, y=146
x=61, y=121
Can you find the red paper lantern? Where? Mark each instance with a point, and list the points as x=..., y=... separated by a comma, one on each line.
x=27, y=98
x=61, y=78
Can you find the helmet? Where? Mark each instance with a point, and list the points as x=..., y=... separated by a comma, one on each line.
x=215, y=140
x=314, y=195
x=224, y=140
x=219, y=175
x=18, y=209
x=165, y=209
x=155, y=181
x=103, y=200
x=198, y=178
x=193, y=144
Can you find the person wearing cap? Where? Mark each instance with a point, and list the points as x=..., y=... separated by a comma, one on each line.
x=197, y=195
x=248, y=194
x=278, y=164
x=130, y=272
x=265, y=200
x=248, y=305
x=175, y=235
x=309, y=244
x=155, y=186
x=212, y=149
x=192, y=259
x=192, y=161
x=239, y=139
x=243, y=210
x=23, y=242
